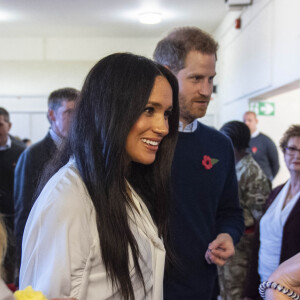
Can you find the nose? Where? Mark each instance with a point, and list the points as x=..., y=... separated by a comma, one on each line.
x=161, y=126
x=205, y=88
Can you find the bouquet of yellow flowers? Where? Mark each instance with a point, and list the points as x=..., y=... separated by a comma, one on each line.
x=29, y=294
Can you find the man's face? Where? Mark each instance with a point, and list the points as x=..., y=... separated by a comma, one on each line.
x=4, y=129
x=61, y=118
x=251, y=121
x=195, y=85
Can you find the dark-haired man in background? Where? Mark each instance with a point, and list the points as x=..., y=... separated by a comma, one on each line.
x=32, y=162
x=10, y=150
x=206, y=219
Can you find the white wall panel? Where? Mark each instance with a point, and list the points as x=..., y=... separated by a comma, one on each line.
x=286, y=42
x=246, y=62
x=74, y=49
x=41, y=78
x=21, y=49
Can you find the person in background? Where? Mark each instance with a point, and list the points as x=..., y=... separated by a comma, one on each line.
x=254, y=189
x=206, y=219
x=277, y=236
x=61, y=104
x=105, y=210
x=262, y=147
x=10, y=150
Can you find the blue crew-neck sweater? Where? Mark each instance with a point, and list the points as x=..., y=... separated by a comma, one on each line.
x=204, y=203
x=265, y=153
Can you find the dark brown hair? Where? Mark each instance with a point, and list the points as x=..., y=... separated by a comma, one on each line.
x=114, y=95
x=174, y=48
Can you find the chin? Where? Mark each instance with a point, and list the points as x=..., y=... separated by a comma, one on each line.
x=145, y=161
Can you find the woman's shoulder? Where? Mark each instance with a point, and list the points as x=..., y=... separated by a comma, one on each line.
x=65, y=190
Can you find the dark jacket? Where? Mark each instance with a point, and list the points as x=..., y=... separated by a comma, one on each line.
x=8, y=161
x=289, y=247
x=27, y=174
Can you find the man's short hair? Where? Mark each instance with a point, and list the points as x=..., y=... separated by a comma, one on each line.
x=58, y=96
x=250, y=112
x=174, y=48
x=5, y=114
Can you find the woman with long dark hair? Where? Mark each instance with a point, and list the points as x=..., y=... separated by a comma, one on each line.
x=96, y=229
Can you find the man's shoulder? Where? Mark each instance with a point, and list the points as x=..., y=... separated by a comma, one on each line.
x=39, y=150
x=264, y=137
x=41, y=145
x=17, y=147
x=212, y=134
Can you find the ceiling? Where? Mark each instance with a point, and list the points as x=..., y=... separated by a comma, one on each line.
x=109, y=18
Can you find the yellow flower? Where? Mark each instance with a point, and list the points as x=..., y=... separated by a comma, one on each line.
x=29, y=294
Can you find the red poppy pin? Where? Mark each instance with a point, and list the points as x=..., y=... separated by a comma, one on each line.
x=208, y=162
x=254, y=150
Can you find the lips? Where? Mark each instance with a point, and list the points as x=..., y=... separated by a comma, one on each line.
x=201, y=102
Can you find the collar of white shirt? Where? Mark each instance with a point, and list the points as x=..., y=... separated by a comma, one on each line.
x=7, y=145
x=189, y=127
x=56, y=138
x=255, y=133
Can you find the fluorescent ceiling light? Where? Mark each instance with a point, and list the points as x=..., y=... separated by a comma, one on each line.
x=150, y=18
x=4, y=16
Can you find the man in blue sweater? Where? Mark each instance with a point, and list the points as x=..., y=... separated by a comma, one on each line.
x=206, y=219
x=263, y=149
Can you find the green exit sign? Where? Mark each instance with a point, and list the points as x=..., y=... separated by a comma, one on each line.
x=263, y=108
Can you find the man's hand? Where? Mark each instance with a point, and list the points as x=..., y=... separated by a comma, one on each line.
x=220, y=250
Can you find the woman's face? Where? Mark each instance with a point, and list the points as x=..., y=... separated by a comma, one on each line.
x=152, y=126
x=291, y=155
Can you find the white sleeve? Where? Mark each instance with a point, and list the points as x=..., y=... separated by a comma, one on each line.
x=57, y=241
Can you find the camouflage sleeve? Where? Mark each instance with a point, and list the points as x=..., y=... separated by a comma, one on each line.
x=254, y=188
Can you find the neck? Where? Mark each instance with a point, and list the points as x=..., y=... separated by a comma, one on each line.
x=295, y=182
x=238, y=155
x=4, y=142
x=185, y=122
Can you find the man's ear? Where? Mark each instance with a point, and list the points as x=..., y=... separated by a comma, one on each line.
x=51, y=115
x=9, y=126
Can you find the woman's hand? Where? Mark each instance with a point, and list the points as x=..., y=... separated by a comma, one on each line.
x=288, y=275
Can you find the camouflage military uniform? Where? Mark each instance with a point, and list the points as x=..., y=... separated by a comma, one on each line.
x=254, y=188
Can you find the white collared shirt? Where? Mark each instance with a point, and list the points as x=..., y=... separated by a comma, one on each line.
x=55, y=137
x=271, y=231
x=61, y=252
x=255, y=133
x=7, y=145
x=189, y=127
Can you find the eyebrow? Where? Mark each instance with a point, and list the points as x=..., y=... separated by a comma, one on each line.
x=201, y=75
x=155, y=104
